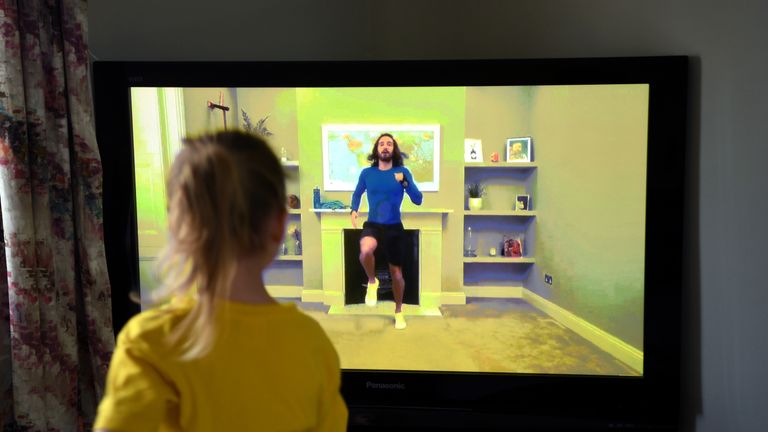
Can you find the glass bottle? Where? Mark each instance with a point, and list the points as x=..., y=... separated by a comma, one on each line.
x=469, y=243
x=316, y=197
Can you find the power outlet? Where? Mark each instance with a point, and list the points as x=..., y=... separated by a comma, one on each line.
x=548, y=279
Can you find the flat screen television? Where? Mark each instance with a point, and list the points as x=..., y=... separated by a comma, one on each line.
x=551, y=303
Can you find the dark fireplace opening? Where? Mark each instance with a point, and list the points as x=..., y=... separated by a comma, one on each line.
x=355, y=279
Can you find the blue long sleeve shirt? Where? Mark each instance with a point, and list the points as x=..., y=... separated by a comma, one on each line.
x=385, y=193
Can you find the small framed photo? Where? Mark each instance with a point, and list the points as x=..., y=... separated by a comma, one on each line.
x=513, y=247
x=473, y=150
x=523, y=202
x=519, y=149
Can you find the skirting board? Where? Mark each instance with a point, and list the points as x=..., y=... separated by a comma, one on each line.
x=453, y=298
x=383, y=308
x=494, y=291
x=628, y=354
x=285, y=291
x=312, y=296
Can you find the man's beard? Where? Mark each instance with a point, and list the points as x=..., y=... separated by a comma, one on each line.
x=385, y=157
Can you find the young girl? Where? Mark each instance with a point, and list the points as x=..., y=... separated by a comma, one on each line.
x=223, y=354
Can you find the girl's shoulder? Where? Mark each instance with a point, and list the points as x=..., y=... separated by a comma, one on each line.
x=152, y=327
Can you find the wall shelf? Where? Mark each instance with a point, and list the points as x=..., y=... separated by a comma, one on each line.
x=289, y=258
x=521, y=165
x=402, y=211
x=285, y=276
x=485, y=276
x=499, y=260
x=516, y=213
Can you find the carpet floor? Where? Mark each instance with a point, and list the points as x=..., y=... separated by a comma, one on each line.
x=485, y=335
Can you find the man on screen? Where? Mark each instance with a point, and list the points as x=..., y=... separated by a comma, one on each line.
x=385, y=181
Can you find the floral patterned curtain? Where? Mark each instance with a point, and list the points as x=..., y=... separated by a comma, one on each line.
x=55, y=306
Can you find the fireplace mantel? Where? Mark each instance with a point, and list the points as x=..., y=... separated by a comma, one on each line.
x=428, y=221
x=402, y=211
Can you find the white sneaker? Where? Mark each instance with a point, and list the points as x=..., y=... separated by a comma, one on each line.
x=400, y=321
x=371, y=295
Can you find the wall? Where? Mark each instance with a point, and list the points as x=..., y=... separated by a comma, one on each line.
x=443, y=106
x=724, y=343
x=278, y=106
x=198, y=118
x=590, y=145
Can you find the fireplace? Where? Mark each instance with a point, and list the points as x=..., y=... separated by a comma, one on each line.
x=355, y=277
x=427, y=228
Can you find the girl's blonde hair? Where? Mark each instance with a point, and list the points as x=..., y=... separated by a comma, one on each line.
x=224, y=189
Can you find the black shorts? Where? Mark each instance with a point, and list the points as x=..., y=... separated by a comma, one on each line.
x=390, y=239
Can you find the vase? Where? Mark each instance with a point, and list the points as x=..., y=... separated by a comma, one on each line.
x=475, y=203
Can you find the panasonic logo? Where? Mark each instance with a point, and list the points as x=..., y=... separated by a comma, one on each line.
x=384, y=386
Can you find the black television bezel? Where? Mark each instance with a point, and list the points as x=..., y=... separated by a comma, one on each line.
x=435, y=399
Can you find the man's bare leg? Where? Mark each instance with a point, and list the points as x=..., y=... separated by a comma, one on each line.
x=398, y=290
x=367, y=248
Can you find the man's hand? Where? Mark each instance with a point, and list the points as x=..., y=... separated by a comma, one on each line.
x=399, y=177
x=354, y=219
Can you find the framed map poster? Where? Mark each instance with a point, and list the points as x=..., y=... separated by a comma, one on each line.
x=346, y=148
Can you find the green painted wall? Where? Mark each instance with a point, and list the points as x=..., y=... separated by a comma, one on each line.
x=199, y=118
x=497, y=113
x=279, y=105
x=590, y=144
x=153, y=157
x=444, y=106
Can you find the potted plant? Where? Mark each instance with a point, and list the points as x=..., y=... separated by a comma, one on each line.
x=476, y=191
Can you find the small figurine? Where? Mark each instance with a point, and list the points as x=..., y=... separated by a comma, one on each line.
x=295, y=232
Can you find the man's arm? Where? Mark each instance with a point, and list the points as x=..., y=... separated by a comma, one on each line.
x=411, y=189
x=357, y=195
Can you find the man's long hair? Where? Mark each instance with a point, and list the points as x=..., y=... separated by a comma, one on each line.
x=397, y=157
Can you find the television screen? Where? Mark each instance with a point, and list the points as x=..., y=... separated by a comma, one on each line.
x=540, y=229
